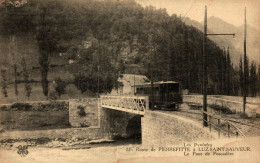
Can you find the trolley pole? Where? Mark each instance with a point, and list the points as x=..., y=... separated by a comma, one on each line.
x=205, y=65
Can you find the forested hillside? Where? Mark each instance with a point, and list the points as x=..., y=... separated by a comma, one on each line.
x=111, y=35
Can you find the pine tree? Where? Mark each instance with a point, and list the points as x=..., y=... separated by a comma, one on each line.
x=253, y=79
x=224, y=73
x=258, y=80
x=247, y=76
x=241, y=76
x=228, y=73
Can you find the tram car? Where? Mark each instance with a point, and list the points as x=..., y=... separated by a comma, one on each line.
x=165, y=95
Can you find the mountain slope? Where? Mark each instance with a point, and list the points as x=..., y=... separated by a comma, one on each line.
x=111, y=35
x=235, y=44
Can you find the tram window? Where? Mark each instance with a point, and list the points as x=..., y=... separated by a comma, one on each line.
x=147, y=90
x=173, y=87
x=140, y=90
x=156, y=90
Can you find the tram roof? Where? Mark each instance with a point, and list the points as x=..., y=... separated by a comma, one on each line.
x=159, y=82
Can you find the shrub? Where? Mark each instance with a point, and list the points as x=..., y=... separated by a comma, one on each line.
x=83, y=125
x=4, y=83
x=222, y=109
x=53, y=95
x=81, y=111
x=244, y=115
x=21, y=106
x=60, y=86
x=42, y=140
x=81, y=82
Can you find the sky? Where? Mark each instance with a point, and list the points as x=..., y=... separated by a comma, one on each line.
x=231, y=11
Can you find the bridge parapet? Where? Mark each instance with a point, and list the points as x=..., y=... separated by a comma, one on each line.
x=131, y=104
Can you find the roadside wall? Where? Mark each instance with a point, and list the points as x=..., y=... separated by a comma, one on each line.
x=235, y=106
x=167, y=129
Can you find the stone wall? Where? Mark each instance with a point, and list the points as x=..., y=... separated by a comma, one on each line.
x=235, y=106
x=84, y=112
x=167, y=129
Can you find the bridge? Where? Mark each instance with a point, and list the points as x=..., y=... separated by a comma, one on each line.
x=139, y=105
x=131, y=104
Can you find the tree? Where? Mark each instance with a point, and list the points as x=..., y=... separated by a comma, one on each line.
x=4, y=82
x=12, y=51
x=258, y=80
x=60, y=86
x=241, y=76
x=27, y=86
x=81, y=82
x=228, y=74
x=246, y=71
x=42, y=36
x=47, y=37
x=122, y=31
x=253, y=79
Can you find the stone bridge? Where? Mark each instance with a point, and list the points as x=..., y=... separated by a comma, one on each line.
x=127, y=116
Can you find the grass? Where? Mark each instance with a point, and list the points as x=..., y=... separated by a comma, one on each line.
x=33, y=120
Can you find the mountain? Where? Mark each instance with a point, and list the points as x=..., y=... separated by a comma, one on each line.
x=235, y=44
x=105, y=37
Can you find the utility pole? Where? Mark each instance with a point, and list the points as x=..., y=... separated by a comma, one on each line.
x=205, y=64
x=205, y=76
x=245, y=66
x=134, y=83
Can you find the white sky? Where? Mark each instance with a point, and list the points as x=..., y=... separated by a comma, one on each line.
x=231, y=11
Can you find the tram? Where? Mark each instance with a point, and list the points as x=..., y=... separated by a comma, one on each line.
x=165, y=95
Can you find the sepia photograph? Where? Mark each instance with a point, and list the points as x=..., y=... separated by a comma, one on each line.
x=122, y=81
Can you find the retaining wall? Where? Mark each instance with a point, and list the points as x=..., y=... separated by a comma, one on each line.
x=235, y=106
x=167, y=129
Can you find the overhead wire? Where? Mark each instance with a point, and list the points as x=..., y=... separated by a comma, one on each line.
x=189, y=8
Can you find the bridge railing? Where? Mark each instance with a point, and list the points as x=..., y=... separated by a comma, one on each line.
x=220, y=126
x=134, y=104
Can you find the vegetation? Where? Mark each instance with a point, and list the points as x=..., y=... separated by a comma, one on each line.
x=53, y=95
x=4, y=82
x=253, y=79
x=107, y=36
x=60, y=86
x=81, y=111
x=27, y=86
